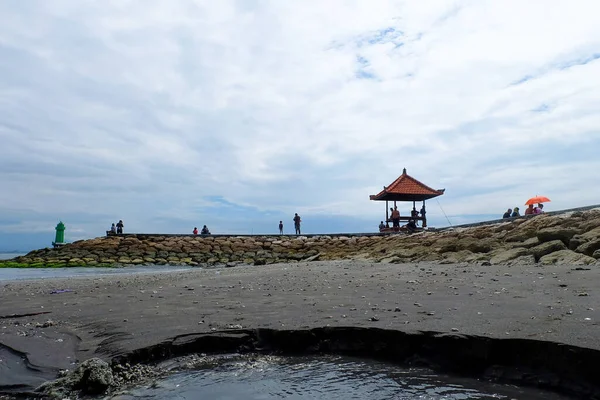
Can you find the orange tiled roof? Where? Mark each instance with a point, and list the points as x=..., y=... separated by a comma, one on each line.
x=407, y=188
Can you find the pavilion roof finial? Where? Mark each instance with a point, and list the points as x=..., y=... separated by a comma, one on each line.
x=404, y=171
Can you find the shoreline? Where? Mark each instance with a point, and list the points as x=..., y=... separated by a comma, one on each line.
x=140, y=318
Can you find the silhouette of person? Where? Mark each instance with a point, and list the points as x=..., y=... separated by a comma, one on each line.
x=297, y=221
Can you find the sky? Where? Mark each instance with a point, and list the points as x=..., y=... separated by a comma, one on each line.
x=238, y=113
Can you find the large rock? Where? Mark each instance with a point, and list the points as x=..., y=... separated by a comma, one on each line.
x=521, y=234
x=524, y=260
x=567, y=257
x=556, y=233
x=457, y=257
x=577, y=241
x=531, y=242
x=446, y=245
x=477, y=245
x=591, y=234
x=589, y=248
x=546, y=248
x=507, y=255
x=590, y=222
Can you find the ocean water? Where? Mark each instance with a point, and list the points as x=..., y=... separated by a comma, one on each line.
x=327, y=378
x=8, y=256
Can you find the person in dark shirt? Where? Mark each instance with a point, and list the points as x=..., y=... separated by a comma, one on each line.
x=381, y=226
x=120, y=227
x=507, y=213
x=297, y=221
x=281, y=227
x=411, y=226
x=205, y=231
x=516, y=212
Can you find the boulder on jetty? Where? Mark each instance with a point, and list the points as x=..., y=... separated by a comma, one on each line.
x=548, y=239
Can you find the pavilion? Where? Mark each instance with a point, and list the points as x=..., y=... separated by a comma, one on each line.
x=407, y=188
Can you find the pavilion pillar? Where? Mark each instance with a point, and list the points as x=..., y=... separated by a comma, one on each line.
x=387, y=215
x=424, y=217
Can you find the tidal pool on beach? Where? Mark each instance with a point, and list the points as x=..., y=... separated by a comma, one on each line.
x=328, y=377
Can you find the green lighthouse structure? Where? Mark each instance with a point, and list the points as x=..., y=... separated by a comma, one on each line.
x=59, y=240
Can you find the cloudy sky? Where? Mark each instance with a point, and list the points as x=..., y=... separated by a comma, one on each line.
x=238, y=113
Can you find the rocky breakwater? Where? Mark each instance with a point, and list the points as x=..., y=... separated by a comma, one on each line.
x=572, y=238
x=569, y=238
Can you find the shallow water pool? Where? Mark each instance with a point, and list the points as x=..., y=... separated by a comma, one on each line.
x=328, y=378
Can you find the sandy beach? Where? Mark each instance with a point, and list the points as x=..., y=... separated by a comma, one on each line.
x=108, y=316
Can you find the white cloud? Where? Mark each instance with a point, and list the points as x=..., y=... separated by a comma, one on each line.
x=142, y=109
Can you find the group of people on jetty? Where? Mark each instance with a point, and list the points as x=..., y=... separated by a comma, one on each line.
x=297, y=220
x=412, y=224
x=116, y=229
x=531, y=210
x=204, y=231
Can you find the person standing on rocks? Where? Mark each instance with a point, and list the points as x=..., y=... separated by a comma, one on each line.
x=195, y=231
x=281, y=227
x=297, y=221
x=396, y=218
x=120, y=227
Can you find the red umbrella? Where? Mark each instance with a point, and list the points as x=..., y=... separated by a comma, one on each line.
x=537, y=199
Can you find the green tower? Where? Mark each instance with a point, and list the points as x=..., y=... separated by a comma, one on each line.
x=60, y=234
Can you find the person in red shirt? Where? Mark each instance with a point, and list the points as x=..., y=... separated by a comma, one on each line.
x=195, y=231
x=529, y=210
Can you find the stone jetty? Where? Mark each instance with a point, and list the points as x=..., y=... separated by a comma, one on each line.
x=572, y=238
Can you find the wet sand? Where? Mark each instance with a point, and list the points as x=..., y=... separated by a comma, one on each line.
x=112, y=315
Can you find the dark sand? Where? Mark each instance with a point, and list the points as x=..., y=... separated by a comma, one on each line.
x=112, y=315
